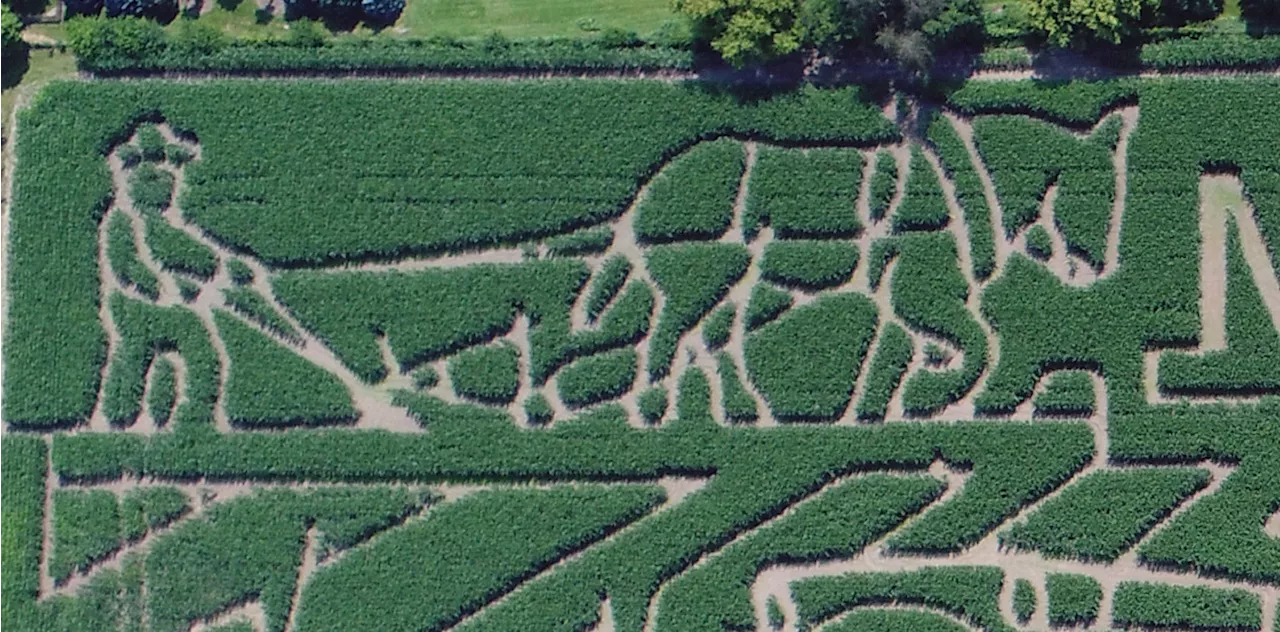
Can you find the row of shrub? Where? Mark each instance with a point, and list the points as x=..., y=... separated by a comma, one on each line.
x=130, y=46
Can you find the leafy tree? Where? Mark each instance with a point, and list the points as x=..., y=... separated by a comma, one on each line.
x=147, y=8
x=1178, y=12
x=83, y=7
x=1080, y=22
x=745, y=31
x=196, y=38
x=910, y=31
x=1260, y=10
x=12, y=28
x=97, y=40
x=382, y=11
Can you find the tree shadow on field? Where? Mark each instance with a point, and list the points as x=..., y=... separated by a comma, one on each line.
x=14, y=67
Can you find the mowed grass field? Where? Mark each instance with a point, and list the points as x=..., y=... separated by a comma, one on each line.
x=532, y=18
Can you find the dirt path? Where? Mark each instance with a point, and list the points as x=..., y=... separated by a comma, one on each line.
x=1221, y=198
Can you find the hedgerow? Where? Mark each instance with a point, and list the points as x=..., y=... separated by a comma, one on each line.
x=929, y=294
x=1105, y=513
x=1022, y=173
x=251, y=546
x=1248, y=365
x=809, y=264
x=122, y=254
x=717, y=327
x=149, y=508
x=970, y=195
x=249, y=303
x=804, y=192
x=1066, y=393
x=150, y=187
x=597, y=378
x=269, y=385
x=482, y=546
x=884, y=183
x=1211, y=52
x=167, y=53
x=693, y=196
x=1024, y=600
x=605, y=285
x=1073, y=599
x=86, y=528
x=969, y=592
x=146, y=330
x=834, y=524
x=584, y=242
x=892, y=620
x=766, y=303
x=163, y=391
x=893, y=355
x=239, y=271
x=805, y=363
x=923, y=206
x=177, y=251
x=739, y=405
x=693, y=278
x=1198, y=607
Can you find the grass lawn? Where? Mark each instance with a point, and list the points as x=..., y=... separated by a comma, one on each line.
x=531, y=18
x=239, y=18
x=44, y=64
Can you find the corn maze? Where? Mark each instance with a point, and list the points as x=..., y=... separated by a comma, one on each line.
x=635, y=355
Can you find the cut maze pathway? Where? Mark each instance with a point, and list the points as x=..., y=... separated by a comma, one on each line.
x=377, y=412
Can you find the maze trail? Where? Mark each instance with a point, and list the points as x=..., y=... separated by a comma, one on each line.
x=675, y=415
